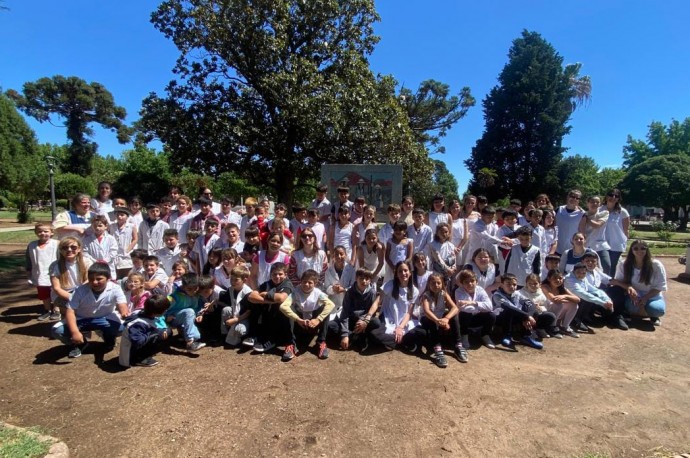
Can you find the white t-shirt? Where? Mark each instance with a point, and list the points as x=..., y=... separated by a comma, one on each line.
x=614, y=229
x=658, y=280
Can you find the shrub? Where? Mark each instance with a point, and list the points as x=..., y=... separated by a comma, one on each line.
x=664, y=230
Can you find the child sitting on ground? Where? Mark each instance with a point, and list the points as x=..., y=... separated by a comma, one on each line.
x=235, y=308
x=357, y=318
x=185, y=312
x=93, y=307
x=141, y=338
x=309, y=308
x=516, y=314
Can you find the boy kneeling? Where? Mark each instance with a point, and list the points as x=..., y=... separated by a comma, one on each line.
x=141, y=337
x=309, y=308
x=93, y=307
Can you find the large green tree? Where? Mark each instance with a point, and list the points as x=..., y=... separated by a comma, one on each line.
x=272, y=90
x=578, y=172
x=79, y=104
x=661, y=181
x=24, y=173
x=657, y=169
x=526, y=117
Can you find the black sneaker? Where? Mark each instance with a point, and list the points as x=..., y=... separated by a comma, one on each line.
x=148, y=362
x=619, y=322
x=461, y=354
x=440, y=359
x=264, y=347
x=77, y=350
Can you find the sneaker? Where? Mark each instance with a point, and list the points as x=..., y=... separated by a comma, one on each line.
x=619, y=322
x=148, y=362
x=55, y=315
x=507, y=342
x=583, y=328
x=323, y=350
x=461, y=354
x=289, y=353
x=45, y=317
x=440, y=359
x=542, y=334
x=531, y=342
x=656, y=321
x=195, y=346
x=249, y=342
x=466, y=341
x=556, y=335
x=488, y=343
x=410, y=348
x=77, y=350
x=570, y=333
x=264, y=347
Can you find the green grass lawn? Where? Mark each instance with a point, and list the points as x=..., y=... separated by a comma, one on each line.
x=16, y=443
x=37, y=216
x=17, y=237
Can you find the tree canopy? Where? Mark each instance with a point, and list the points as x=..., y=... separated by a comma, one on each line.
x=272, y=90
x=80, y=104
x=526, y=117
x=24, y=175
x=658, y=169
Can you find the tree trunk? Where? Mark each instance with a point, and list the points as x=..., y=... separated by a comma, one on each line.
x=683, y=221
x=285, y=187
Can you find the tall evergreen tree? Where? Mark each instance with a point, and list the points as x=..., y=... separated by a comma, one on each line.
x=526, y=118
x=80, y=104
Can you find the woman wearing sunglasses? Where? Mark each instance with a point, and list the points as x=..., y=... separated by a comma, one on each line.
x=644, y=281
x=617, y=227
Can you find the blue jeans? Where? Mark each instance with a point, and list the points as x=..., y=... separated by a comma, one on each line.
x=184, y=321
x=605, y=261
x=110, y=329
x=615, y=256
x=655, y=307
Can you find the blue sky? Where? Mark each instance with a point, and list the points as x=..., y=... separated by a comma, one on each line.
x=637, y=54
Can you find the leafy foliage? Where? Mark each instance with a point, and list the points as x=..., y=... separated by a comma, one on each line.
x=80, y=104
x=610, y=178
x=658, y=169
x=578, y=172
x=24, y=174
x=69, y=184
x=661, y=140
x=432, y=112
x=661, y=181
x=526, y=118
x=664, y=230
x=272, y=90
x=145, y=173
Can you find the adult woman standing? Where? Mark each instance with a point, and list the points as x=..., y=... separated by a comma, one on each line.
x=645, y=281
x=617, y=227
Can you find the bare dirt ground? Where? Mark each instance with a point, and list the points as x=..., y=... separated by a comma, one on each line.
x=615, y=393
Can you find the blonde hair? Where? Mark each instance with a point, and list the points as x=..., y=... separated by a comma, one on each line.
x=62, y=265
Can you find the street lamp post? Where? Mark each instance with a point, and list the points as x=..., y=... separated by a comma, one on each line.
x=50, y=160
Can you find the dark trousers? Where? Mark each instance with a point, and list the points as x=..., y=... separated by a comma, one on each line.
x=435, y=335
x=469, y=320
x=266, y=322
x=416, y=336
x=344, y=326
x=150, y=348
x=320, y=331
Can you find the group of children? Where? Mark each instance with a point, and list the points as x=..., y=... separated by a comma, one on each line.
x=259, y=281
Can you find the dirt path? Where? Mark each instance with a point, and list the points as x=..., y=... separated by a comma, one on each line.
x=620, y=393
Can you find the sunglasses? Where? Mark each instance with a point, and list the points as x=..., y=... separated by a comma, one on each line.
x=70, y=248
x=617, y=196
x=573, y=196
x=308, y=236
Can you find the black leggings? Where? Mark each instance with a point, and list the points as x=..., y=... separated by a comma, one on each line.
x=434, y=335
x=474, y=320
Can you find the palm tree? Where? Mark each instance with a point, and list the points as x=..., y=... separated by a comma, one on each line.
x=581, y=86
